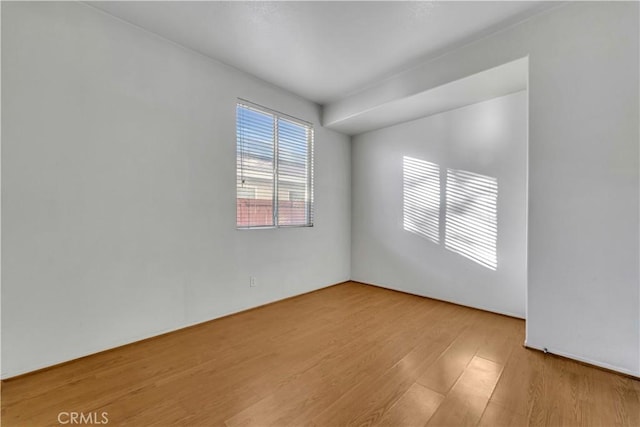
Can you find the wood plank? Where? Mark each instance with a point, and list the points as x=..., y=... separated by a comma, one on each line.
x=382, y=391
x=366, y=403
x=414, y=408
x=522, y=381
x=496, y=415
x=443, y=374
x=465, y=403
x=332, y=376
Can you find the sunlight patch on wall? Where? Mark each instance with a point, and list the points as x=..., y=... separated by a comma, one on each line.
x=471, y=219
x=421, y=203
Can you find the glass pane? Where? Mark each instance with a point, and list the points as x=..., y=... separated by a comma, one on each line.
x=293, y=173
x=254, y=168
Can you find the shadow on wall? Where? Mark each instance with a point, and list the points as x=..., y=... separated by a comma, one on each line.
x=421, y=206
x=471, y=219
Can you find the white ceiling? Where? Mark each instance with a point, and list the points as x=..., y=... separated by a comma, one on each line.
x=492, y=83
x=322, y=51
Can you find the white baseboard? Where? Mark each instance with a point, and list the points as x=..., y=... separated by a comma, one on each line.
x=562, y=353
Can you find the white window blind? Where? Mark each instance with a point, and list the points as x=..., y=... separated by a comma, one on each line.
x=274, y=169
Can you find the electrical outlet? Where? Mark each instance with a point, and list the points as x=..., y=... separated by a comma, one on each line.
x=252, y=282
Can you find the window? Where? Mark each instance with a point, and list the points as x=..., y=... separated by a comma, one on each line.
x=274, y=169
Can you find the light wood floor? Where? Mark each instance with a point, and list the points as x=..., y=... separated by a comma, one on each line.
x=347, y=355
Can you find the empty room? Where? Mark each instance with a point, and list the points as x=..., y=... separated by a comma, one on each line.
x=320, y=213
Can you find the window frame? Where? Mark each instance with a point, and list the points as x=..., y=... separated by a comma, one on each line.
x=277, y=116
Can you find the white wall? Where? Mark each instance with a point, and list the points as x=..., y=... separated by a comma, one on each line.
x=118, y=189
x=489, y=138
x=584, y=180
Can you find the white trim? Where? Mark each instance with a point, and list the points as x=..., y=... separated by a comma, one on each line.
x=583, y=359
